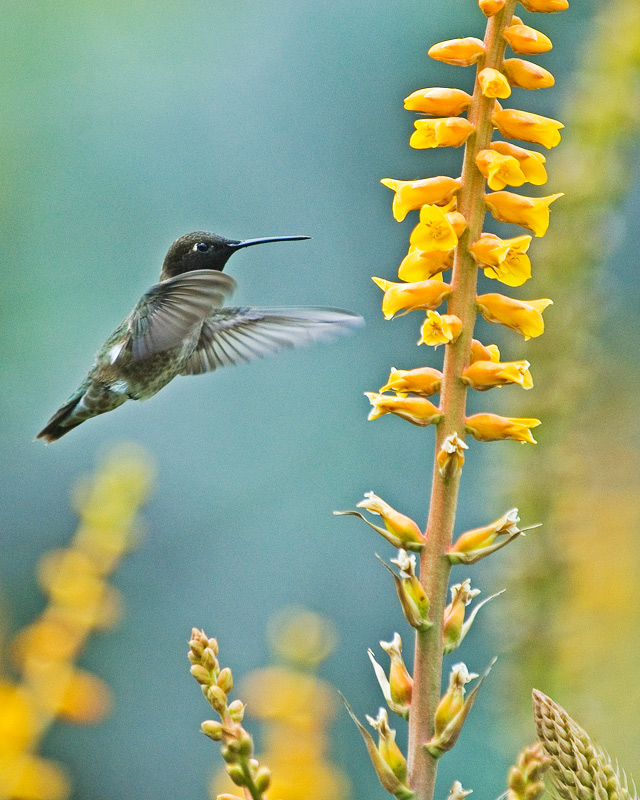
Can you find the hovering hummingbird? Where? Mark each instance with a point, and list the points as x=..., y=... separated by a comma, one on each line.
x=180, y=326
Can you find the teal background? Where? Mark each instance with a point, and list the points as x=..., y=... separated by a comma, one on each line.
x=123, y=126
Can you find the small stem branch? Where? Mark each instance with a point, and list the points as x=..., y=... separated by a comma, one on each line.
x=434, y=566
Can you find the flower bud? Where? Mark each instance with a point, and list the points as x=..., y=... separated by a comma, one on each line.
x=547, y=6
x=236, y=710
x=459, y=52
x=493, y=83
x=531, y=163
x=484, y=375
x=424, y=381
x=400, y=681
x=530, y=212
x=410, y=195
x=201, y=674
x=419, y=265
x=452, y=701
x=217, y=698
x=525, y=778
x=493, y=428
x=438, y=102
x=525, y=75
x=526, y=41
x=450, y=457
x=225, y=680
x=461, y=595
x=407, y=297
x=212, y=729
x=483, y=352
x=387, y=747
x=236, y=773
x=209, y=660
x=439, y=329
x=490, y=7
x=525, y=317
x=480, y=538
x=401, y=526
x=442, y=132
x=417, y=410
x=411, y=593
x=262, y=779
x=515, y=124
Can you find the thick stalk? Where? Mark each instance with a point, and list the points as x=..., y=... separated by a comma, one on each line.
x=434, y=566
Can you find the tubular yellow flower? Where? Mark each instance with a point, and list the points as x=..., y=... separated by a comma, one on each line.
x=499, y=170
x=439, y=329
x=450, y=457
x=417, y=410
x=503, y=259
x=387, y=747
x=400, y=681
x=531, y=163
x=410, y=195
x=493, y=428
x=483, y=352
x=483, y=375
x=452, y=701
x=423, y=380
x=419, y=265
x=548, y=6
x=438, y=102
x=459, y=52
x=443, y=132
x=525, y=75
x=479, y=538
x=518, y=315
x=490, y=7
x=493, y=83
x=530, y=212
x=434, y=231
x=461, y=595
x=528, y=127
x=489, y=250
x=401, y=526
x=526, y=41
x=407, y=297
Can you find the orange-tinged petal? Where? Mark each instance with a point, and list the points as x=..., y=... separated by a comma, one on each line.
x=499, y=170
x=493, y=428
x=410, y=296
x=525, y=75
x=434, y=231
x=525, y=317
x=530, y=212
x=490, y=7
x=396, y=523
x=457, y=221
x=526, y=41
x=417, y=410
x=410, y=195
x=439, y=329
x=486, y=535
x=493, y=83
x=547, y=6
x=450, y=457
x=489, y=250
x=515, y=124
x=443, y=132
x=531, y=162
x=459, y=52
x=424, y=381
x=419, y=265
x=484, y=375
x=483, y=352
x=438, y=102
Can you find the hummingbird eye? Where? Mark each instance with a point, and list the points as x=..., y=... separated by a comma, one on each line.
x=201, y=247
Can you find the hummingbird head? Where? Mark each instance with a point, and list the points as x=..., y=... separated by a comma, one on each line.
x=203, y=250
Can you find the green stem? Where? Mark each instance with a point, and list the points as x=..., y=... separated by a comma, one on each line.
x=434, y=566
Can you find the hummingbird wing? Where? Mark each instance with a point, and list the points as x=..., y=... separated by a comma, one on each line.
x=169, y=311
x=238, y=335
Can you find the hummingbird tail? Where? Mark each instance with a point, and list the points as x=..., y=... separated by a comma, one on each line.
x=62, y=421
x=91, y=399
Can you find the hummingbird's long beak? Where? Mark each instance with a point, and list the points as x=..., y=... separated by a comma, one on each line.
x=250, y=242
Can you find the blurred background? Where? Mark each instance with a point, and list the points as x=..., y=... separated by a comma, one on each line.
x=126, y=125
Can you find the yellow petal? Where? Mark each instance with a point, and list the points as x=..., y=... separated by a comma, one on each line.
x=434, y=232
x=493, y=83
x=438, y=102
x=444, y=132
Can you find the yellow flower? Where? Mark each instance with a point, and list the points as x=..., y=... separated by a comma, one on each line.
x=484, y=375
x=548, y=6
x=493, y=428
x=410, y=195
x=401, y=526
x=410, y=296
x=499, y=170
x=450, y=457
x=434, y=231
x=479, y=538
x=493, y=83
x=503, y=259
x=514, y=124
x=438, y=102
x=483, y=352
x=439, y=329
x=452, y=701
x=489, y=250
x=531, y=163
x=530, y=212
x=490, y=7
x=424, y=381
x=526, y=41
x=459, y=52
x=525, y=75
x=443, y=132
x=523, y=317
x=417, y=410
x=419, y=265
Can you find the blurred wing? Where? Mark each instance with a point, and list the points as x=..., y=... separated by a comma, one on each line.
x=238, y=335
x=170, y=310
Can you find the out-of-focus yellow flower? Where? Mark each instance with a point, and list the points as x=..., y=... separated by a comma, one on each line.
x=459, y=52
x=450, y=457
x=400, y=525
x=434, y=231
x=530, y=212
x=499, y=170
x=443, y=132
x=483, y=375
x=420, y=265
x=493, y=428
x=439, y=329
x=548, y=6
x=525, y=317
x=417, y=410
x=505, y=260
x=515, y=124
x=525, y=75
x=423, y=380
x=493, y=83
x=18, y=722
x=438, y=102
x=490, y=7
x=85, y=699
x=30, y=777
x=410, y=195
x=479, y=538
x=526, y=41
x=531, y=163
x=483, y=352
x=407, y=297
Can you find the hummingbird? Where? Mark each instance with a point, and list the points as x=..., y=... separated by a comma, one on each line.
x=180, y=326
